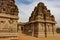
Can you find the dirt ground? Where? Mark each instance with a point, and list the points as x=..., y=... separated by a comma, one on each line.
x=25, y=37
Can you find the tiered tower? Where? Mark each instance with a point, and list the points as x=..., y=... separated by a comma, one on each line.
x=42, y=21
x=8, y=7
x=8, y=19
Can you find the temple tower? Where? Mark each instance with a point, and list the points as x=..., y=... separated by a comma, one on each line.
x=8, y=19
x=43, y=21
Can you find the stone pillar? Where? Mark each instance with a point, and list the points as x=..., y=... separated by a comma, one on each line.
x=32, y=29
x=54, y=29
x=49, y=30
x=40, y=31
x=19, y=28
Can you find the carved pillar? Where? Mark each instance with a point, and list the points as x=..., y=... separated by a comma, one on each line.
x=40, y=31
x=54, y=29
x=32, y=29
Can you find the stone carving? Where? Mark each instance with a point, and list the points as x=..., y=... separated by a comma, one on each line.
x=41, y=22
x=8, y=19
x=8, y=7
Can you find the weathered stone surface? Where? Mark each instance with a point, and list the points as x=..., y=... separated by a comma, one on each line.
x=41, y=22
x=8, y=20
x=8, y=7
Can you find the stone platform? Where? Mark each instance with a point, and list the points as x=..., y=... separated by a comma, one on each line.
x=8, y=36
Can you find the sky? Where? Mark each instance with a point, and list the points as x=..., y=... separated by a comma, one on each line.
x=27, y=6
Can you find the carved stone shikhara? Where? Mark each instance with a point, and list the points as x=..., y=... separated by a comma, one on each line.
x=41, y=22
x=8, y=19
x=8, y=7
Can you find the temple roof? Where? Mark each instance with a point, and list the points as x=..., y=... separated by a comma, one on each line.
x=8, y=7
x=40, y=12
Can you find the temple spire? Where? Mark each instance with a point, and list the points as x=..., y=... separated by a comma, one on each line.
x=8, y=7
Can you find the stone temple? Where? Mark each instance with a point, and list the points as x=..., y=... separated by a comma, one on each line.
x=8, y=20
x=41, y=23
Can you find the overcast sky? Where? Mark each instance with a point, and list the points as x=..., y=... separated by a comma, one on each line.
x=27, y=6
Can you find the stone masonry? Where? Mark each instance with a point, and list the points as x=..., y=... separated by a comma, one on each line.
x=8, y=20
x=41, y=23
